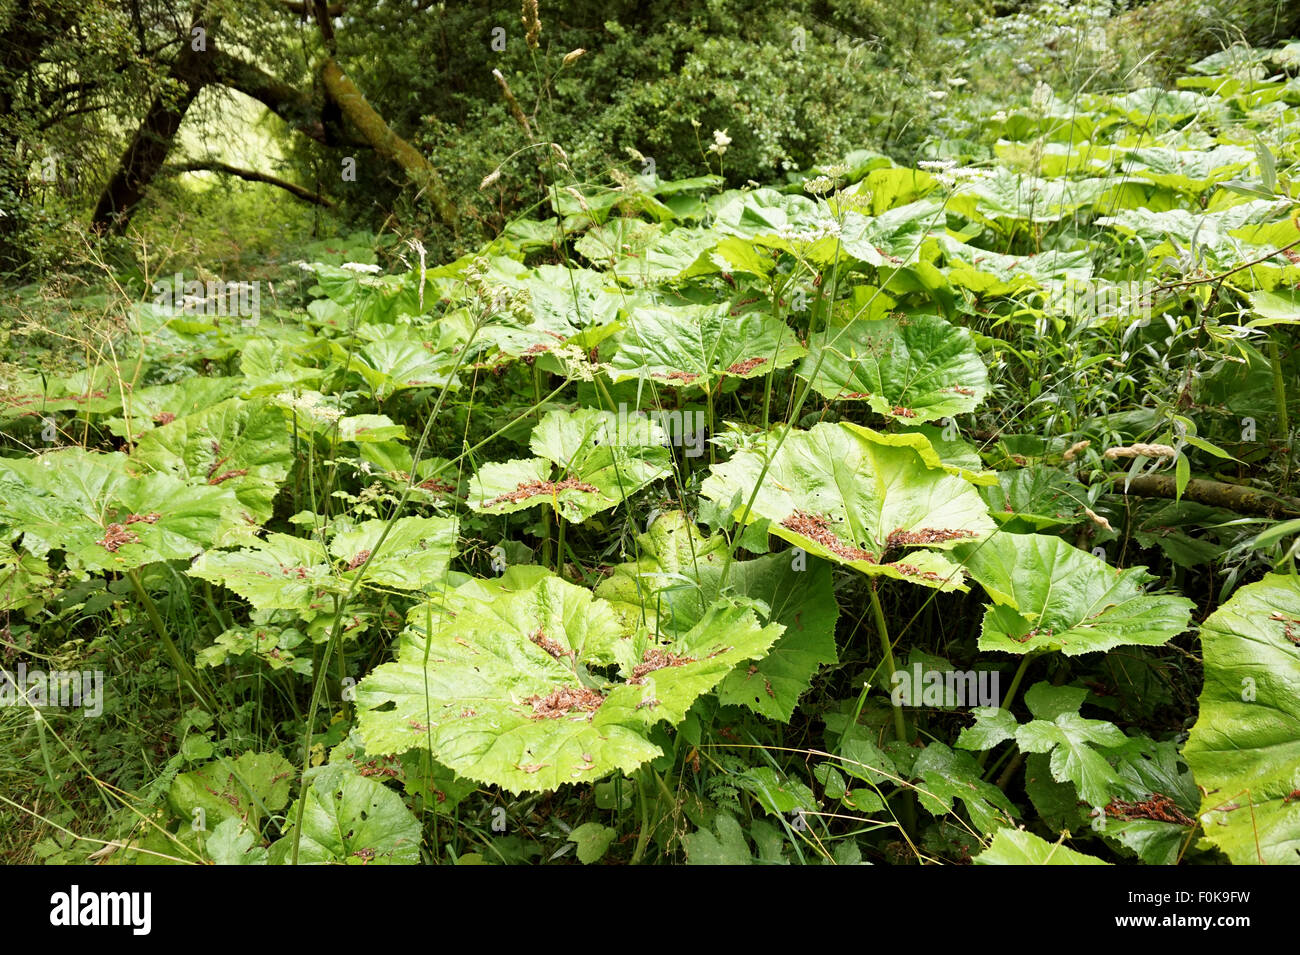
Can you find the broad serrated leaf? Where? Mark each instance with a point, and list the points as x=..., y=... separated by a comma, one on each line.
x=1245, y=747
x=700, y=345
x=506, y=701
x=847, y=494
x=906, y=367
x=1017, y=847
x=1048, y=594
x=588, y=461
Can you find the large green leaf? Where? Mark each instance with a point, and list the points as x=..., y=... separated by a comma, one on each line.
x=677, y=579
x=350, y=819
x=103, y=517
x=242, y=445
x=504, y=695
x=156, y=406
x=856, y=497
x=1018, y=847
x=699, y=345
x=588, y=461
x=1048, y=594
x=293, y=573
x=906, y=367
x=1245, y=747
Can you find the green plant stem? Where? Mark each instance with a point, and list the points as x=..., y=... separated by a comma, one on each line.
x=882, y=631
x=907, y=807
x=1279, y=401
x=643, y=796
x=183, y=669
x=1010, y=696
x=559, y=549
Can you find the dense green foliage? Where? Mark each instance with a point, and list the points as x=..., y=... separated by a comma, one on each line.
x=932, y=502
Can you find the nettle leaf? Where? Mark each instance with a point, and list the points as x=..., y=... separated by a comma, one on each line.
x=500, y=699
x=677, y=579
x=598, y=458
x=351, y=819
x=946, y=775
x=23, y=578
x=909, y=368
x=1049, y=595
x=724, y=845
x=1018, y=847
x=293, y=573
x=699, y=345
x=103, y=517
x=1245, y=747
x=850, y=495
x=241, y=445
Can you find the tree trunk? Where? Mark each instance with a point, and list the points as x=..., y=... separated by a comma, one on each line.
x=154, y=138
x=380, y=137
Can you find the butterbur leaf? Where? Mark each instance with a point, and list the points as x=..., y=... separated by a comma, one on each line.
x=1049, y=595
x=1042, y=497
x=247, y=788
x=103, y=517
x=1017, y=847
x=677, y=578
x=844, y=493
x=588, y=461
x=501, y=700
x=699, y=345
x=413, y=556
x=148, y=408
x=351, y=819
x=1245, y=747
x=909, y=368
x=283, y=572
x=230, y=843
x=392, y=365
x=242, y=445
